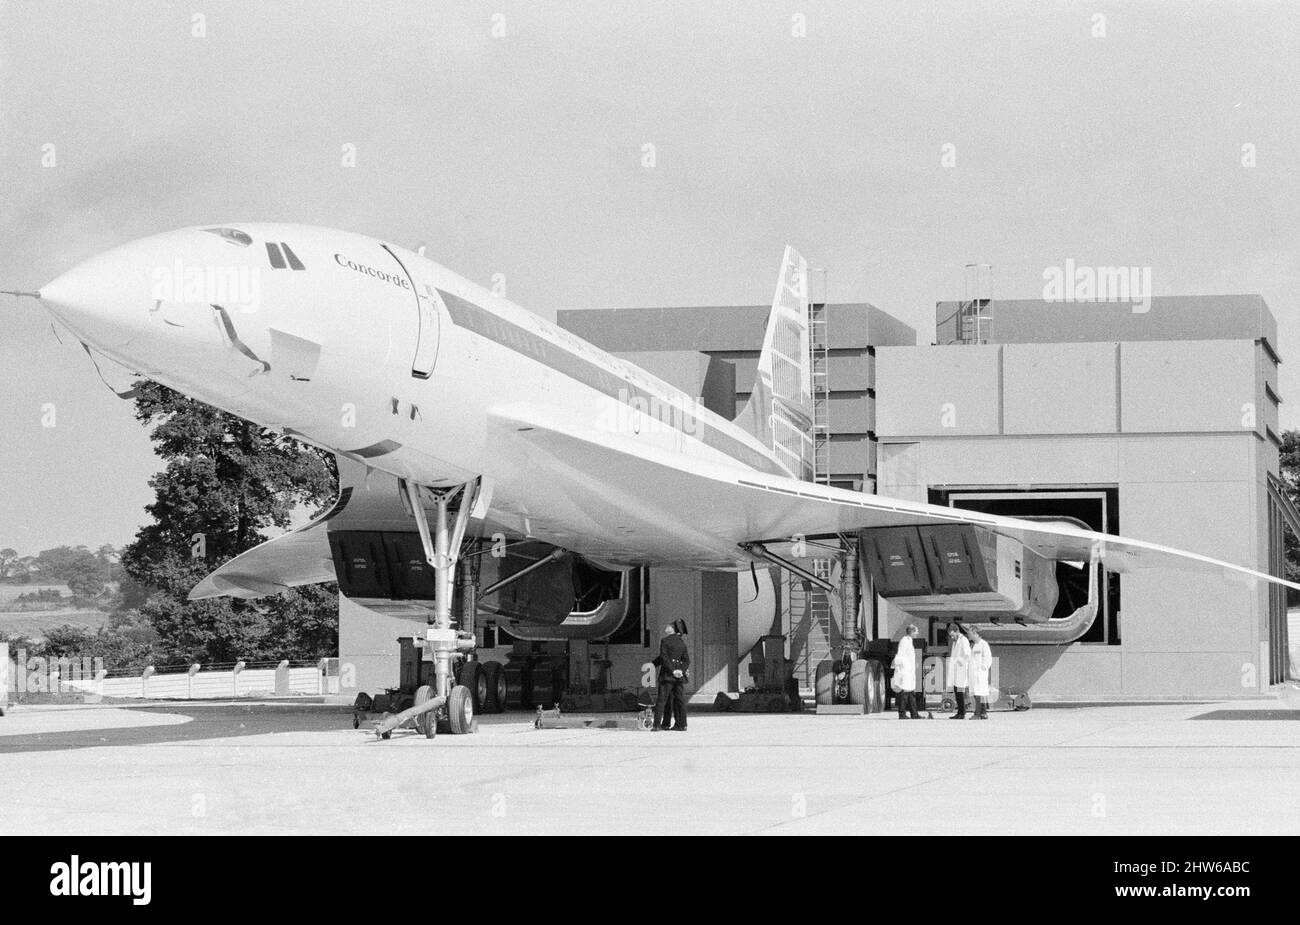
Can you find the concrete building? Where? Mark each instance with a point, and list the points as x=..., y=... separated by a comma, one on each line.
x=1158, y=424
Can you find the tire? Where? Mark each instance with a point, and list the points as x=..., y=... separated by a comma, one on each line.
x=473, y=677
x=825, y=683
x=428, y=723
x=356, y=721
x=495, y=680
x=460, y=710
x=860, y=684
x=875, y=686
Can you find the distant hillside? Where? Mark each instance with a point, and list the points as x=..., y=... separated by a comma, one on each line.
x=34, y=623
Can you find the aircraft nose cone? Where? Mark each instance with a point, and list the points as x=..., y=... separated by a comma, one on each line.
x=101, y=300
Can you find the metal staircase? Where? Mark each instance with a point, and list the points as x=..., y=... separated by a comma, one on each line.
x=809, y=618
x=975, y=312
x=812, y=620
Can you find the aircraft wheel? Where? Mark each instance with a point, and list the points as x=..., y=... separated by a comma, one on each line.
x=473, y=676
x=825, y=683
x=875, y=686
x=860, y=683
x=494, y=679
x=428, y=723
x=460, y=710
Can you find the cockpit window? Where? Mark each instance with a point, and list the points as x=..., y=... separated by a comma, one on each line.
x=290, y=256
x=231, y=236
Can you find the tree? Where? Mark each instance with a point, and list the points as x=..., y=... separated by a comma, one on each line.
x=8, y=563
x=63, y=563
x=23, y=569
x=75, y=566
x=126, y=642
x=226, y=482
x=110, y=561
x=86, y=581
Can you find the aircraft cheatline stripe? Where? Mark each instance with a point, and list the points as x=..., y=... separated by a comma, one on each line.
x=467, y=315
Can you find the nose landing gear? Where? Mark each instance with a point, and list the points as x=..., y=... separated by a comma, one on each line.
x=444, y=704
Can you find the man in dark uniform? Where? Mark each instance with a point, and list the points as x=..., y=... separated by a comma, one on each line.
x=673, y=661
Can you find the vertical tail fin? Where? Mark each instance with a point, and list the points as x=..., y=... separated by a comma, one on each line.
x=780, y=409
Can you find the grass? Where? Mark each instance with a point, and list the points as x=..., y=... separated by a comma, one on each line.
x=34, y=623
x=9, y=593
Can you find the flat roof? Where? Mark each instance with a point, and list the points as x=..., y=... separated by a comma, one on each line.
x=1182, y=317
x=725, y=328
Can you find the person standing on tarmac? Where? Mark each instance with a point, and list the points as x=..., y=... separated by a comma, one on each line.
x=904, y=683
x=673, y=662
x=958, y=667
x=981, y=661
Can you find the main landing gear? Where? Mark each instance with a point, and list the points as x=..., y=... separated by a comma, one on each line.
x=444, y=705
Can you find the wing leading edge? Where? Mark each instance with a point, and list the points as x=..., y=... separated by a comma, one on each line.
x=735, y=505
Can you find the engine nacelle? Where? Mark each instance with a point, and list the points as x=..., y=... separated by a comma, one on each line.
x=566, y=598
x=960, y=570
x=550, y=593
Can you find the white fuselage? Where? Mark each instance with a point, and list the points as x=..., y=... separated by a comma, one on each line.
x=375, y=352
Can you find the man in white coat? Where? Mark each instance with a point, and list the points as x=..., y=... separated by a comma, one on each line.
x=981, y=661
x=958, y=667
x=904, y=681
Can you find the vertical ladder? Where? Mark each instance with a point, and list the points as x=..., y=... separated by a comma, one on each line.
x=819, y=347
x=975, y=313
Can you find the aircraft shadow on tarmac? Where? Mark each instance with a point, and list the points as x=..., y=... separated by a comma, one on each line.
x=206, y=721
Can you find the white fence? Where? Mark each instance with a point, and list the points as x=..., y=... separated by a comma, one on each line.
x=39, y=675
x=248, y=682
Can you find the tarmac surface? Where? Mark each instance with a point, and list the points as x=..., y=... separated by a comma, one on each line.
x=238, y=768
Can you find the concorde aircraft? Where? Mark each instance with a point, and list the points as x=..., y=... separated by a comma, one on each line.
x=458, y=417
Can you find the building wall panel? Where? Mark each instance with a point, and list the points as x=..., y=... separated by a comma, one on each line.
x=1173, y=386
x=1059, y=388
x=945, y=391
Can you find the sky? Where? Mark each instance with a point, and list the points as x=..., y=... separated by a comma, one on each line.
x=511, y=138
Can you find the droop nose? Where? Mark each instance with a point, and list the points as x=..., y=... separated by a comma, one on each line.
x=104, y=300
